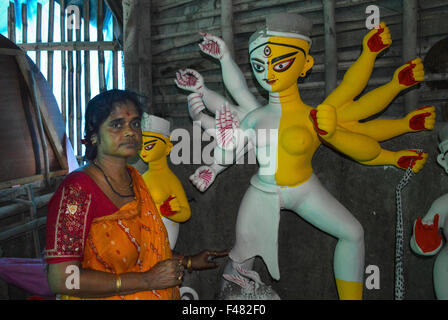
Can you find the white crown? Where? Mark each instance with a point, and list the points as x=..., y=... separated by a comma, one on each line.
x=155, y=124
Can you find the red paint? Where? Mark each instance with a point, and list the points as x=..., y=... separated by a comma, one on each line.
x=406, y=76
x=375, y=43
x=165, y=208
x=406, y=161
x=427, y=236
x=417, y=122
x=314, y=117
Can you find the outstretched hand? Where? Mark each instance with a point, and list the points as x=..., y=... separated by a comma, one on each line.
x=377, y=39
x=213, y=46
x=189, y=79
x=205, y=259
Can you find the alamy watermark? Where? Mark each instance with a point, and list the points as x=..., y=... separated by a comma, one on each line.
x=73, y=17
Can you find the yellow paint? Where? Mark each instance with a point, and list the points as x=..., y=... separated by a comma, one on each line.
x=160, y=180
x=349, y=290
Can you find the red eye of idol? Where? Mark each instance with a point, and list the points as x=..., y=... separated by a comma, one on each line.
x=284, y=65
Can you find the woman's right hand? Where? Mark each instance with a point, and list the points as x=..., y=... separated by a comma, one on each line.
x=165, y=274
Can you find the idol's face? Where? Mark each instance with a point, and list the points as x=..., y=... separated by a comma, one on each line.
x=277, y=62
x=155, y=146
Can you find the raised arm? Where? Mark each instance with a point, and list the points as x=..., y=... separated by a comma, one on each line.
x=232, y=76
x=357, y=76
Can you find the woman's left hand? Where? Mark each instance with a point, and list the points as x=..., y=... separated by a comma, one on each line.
x=204, y=259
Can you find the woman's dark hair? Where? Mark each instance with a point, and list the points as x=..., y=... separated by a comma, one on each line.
x=98, y=110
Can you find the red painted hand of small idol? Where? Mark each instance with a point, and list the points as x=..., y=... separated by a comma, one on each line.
x=313, y=114
x=406, y=76
x=375, y=43
x=409, y=161
x=165, y=208
x=427, y=236
x=418, y=122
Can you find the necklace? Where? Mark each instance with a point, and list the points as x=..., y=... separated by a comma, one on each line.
x=110, y=185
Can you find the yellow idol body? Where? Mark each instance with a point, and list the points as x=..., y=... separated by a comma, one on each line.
x=163, y=185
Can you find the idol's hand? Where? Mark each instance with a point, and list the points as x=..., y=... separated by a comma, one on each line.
x=227, y=128
x=410, y=158
x=195, y=105
x=170, y=206
x=203, y=178
x=189, y=79
x=213, y=46
x=409, y=74
x=423, y=118
x=324, y=119
x=377, y=40
x=426, y=235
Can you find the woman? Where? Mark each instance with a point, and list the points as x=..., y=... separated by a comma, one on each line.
x=103, y=222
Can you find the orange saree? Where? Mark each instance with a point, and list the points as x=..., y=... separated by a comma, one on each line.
x=133, y=239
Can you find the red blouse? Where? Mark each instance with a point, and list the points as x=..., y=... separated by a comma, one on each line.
x=77, y=201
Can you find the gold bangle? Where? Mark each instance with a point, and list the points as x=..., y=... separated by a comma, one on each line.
x=189, y=264
x=118, y=284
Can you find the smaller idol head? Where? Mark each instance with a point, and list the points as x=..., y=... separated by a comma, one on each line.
x=156, y=140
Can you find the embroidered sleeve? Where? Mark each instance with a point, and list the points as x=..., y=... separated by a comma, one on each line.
x=67, y=223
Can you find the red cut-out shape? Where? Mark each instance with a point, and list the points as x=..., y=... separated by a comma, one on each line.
x=405, y=77
x=165, y=208
x=406, y=161
x=427, y=236
x=375, y=43
x=417, y=122
x=313, y=114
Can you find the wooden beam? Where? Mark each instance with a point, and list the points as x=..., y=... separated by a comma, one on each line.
x=63, y=63
x=70, y=102
x=38, y=31
x=99, y=25
x=145, y=55
x=410, y=24
x=12, y=22
x=331, y=58
x=78, y=95
x=130, y=44
x=71, y=46
x=24, y=23
x=227, y=24
x=86, y=14
x=50, y=39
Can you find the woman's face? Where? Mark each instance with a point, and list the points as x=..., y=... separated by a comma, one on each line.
x=277, y=62
x=120, y=134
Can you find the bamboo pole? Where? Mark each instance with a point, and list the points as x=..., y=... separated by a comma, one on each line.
x=78, y=96
x=12, y=22
x=16, y=208
x=86, y=14
x=29, y=226
x=70, y=46
x=63, y=64
x=331, y=58
x=130, y=43
x=70, y=104
x=145, y=55
x=24, y=23
x=227, y=24
x=410, y=23
x=99, y=25
x=114, y=61
x=50, y=39
x=38, y=31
